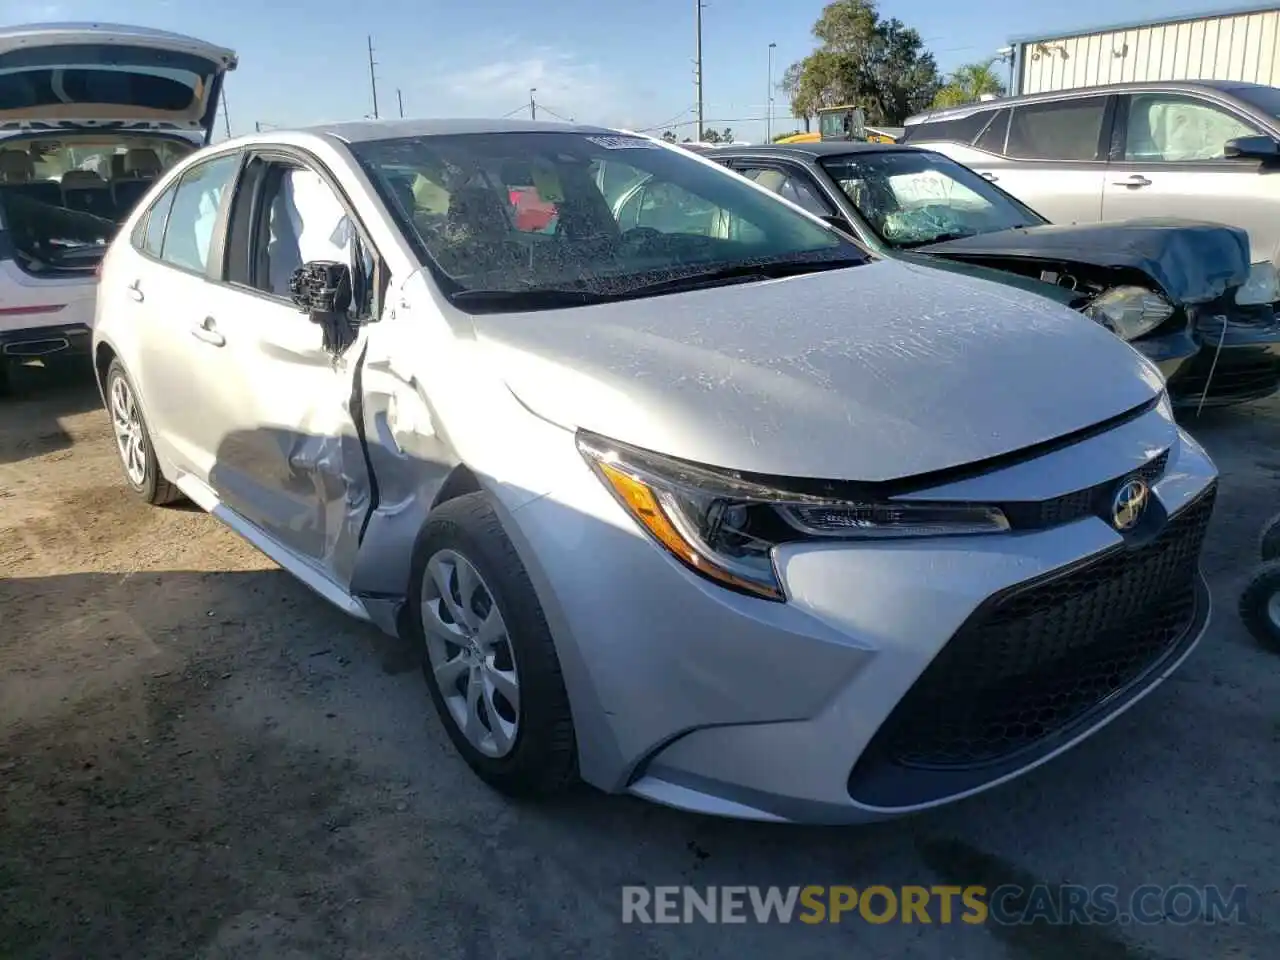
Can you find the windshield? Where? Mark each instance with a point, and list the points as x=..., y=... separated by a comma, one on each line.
x=598, y=214
x=914, y=197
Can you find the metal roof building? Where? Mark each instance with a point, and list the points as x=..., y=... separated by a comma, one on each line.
x=1242, y=43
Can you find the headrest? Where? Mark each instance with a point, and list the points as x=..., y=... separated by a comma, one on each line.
x=16, y=166
x=82, y=178
x=141, y=162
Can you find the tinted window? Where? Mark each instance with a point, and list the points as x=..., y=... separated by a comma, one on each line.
x=1266, y=99
x=992, y=138
x=1064, y=130
x=1171, y=128
x=913, y=197
x=629, y=212
x=153, y=239
x=194, y=211
x=959, y=130
x=42, y=75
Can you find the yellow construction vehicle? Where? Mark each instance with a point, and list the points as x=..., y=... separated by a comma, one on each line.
x=846, y=122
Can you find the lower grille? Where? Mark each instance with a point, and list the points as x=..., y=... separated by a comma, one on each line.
x=1032, y=662
x=1239, y=373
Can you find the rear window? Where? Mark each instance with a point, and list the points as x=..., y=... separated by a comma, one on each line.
x=1061, y=130
x=102, y=74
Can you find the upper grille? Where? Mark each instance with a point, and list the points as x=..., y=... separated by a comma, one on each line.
x=1092, y=501
x=1031, y=662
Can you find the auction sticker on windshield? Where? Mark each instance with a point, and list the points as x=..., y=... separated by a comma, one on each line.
x=624, y=143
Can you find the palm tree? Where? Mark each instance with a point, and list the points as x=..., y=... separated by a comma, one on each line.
x=968, y=84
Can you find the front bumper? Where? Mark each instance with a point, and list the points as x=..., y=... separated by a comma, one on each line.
x=690, y=695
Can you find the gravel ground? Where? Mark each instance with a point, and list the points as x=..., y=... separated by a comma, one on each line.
x=199, y=758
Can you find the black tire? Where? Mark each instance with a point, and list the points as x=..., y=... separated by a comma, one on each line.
x=1269, y=540
x=1255, y=604
x=544, y=758
x=154, y=488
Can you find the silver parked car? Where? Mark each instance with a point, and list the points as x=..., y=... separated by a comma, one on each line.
x=1205, y=150
x=685, y=494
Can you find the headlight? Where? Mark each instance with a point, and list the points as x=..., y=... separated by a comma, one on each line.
x=1263, y=286
x=725, y=528
x=1129, y=312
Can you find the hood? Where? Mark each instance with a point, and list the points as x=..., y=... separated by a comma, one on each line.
x=872, y=373
x=77, y=75
x=1191, y=261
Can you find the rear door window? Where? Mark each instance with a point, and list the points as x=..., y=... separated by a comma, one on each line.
x=992, y=139
x=194, y=212
x=1059, y=130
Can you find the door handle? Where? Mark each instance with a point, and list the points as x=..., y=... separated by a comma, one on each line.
x=135, y=290
x=989, y=176
x=207, y=330
x=1135, y=180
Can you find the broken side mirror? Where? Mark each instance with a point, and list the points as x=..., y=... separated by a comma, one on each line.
x=322, y=290
x=1253, y=148
x=321, y=287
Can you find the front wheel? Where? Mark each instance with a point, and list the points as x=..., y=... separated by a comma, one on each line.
x=1260, y=606
x=133, y=442
x=488, y=657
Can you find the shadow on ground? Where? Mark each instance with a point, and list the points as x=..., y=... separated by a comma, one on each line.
x=38, y=398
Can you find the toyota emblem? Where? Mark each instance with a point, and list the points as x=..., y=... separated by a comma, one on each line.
x=1129, y=503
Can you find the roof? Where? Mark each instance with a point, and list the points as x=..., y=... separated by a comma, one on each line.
x=826, y=148
x=1136, y=24
x=1174, y=86
x=355, y=131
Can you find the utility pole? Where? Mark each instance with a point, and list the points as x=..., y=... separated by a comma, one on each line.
x=533, y=104
x=698, y=4
x=769, y=103
x=226, y=117
x=257, y=126
x=373, y=80
x=400, y=101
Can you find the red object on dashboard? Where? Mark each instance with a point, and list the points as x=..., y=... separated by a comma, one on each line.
x=533, y=214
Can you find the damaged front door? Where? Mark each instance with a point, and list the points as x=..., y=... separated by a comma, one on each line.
x=296, y=467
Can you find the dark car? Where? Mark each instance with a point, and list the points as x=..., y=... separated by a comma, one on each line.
x=1182, y=292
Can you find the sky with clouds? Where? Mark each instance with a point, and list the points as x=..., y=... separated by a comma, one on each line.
x=617, y=63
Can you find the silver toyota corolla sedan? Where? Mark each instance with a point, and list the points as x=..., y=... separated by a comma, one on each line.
x=680, y=491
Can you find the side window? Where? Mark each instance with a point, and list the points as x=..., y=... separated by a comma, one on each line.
x=301, y=219
x=194, y=212
x=1171, y=128
x=670, y=209
x=151, y=237
x=1060, y=130
x=792, y=186
x=960, y=129
x=992, y=139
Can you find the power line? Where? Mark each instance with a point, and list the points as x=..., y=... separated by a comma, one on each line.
x=546, y=109
x=665, y=123
x=512, y=113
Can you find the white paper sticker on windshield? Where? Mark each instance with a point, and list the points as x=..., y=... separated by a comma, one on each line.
x=624, y=143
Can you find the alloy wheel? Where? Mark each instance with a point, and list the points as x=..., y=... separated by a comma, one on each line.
x=470, y=653
x=126, y=421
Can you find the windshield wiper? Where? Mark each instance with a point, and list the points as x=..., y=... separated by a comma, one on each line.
x=535, y=299
x=940, y=238
x=744, y=272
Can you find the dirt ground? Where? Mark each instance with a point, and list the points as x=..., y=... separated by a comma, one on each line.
x=199, y=758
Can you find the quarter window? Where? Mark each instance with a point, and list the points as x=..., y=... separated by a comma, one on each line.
x=153, y=236
x=1059, y=130
x=959, y=130
x=1170, y=128
x=189, y=232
